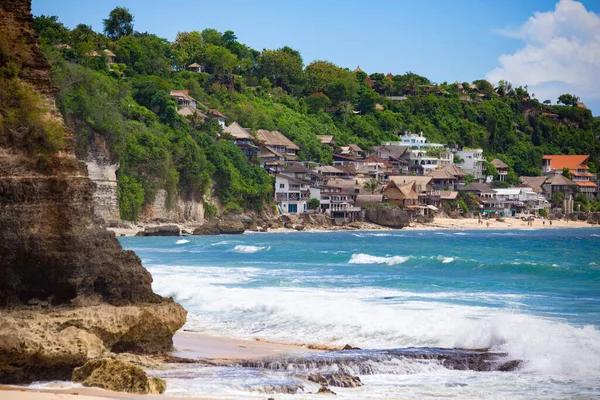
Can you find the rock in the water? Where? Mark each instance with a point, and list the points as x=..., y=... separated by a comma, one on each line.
x=231, y=227
x=162, y=230
x=299, y=227
x=348, y=347
x=392, y=217
x=325, y=390
x=119, y=376
x=338, y=380
x=208, y=228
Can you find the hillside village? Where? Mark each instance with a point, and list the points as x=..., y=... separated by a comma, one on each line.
x=411, y=173
x=206, y=125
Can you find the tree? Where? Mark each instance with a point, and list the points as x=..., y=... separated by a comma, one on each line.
x=313, y=204
x=547, y=102
x=557, y=199
x=568, y=100
x=188, y=48
x=469, y=179
x=458, y=159
x=371, y=185
x=119, y=23
x=282, y=67
x=567, y=173
x=317, y=101
x=50, y=30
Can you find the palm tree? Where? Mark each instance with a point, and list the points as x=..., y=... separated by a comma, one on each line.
x=371, y=185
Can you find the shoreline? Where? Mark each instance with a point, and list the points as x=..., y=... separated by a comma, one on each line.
x=190, y=345
x=438, y=224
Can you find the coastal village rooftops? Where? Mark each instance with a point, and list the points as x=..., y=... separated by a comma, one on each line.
x=420, y=181
x=448, y=195
x=298, y=168
x=392, y=151
x=477, y=187
x=454, y=170
x=183, y=95
x=237, y=132
x=534, y=182
x=442, y=174
x=363, y=199
x=572, y=162
x=187, y=110
x=275, y=138
x=326, y=139
x=216, y=113
x=355, y=148
x=328, y=169
x=560, y=180
x=585, y=184
x=498, y=164
x=293, y=180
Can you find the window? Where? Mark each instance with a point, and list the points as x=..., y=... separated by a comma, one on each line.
x=281, y=185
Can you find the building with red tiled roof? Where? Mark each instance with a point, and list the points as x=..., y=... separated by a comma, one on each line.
x=577, y=166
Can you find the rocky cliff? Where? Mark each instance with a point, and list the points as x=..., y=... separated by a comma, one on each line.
x=53, y=253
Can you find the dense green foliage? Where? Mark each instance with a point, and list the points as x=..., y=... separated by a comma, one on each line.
x=130, y=107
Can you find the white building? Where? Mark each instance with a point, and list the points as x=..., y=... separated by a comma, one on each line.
x=291, y=194
x=472, y=162
x=429, y=161
x=518, y=199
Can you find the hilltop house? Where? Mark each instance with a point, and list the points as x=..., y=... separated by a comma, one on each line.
x=272, y=161
x=110, y=57
x=352, y=150
x=329, y=140
x=501, y=167
x=299, y=171
x=195, y=67
x=577, y=166
x=218, y=116
x=395, y=155
x=291, y=194
x=276, y=141
x=243, y=139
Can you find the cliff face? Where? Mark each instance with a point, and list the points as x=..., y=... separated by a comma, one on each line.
x=68, y=291
x=52, y=248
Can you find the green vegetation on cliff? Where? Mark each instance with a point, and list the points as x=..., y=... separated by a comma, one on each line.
x=129, y=106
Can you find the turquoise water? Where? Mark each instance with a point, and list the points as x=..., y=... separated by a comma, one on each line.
x=533, y=294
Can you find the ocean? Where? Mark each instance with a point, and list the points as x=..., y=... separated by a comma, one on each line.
x=530, y=295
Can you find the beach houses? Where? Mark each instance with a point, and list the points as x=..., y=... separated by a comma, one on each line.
x=501, y=167
x=578, y=168
x=277, y=142
x=472, y=162
x=329, y=140
x=402, y=195
x=291, y=194
x=243, y=139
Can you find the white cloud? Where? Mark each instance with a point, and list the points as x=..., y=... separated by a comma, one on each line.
x=561, y=54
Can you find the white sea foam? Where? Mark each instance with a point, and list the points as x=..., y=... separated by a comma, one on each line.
x=369, y=259
x=182, y=241
x=362, y=318
x=249, y=249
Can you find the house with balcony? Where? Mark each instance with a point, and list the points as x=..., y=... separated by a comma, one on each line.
x=443, y=180
x=486, y=196
x=352, y=150
x=299, y=171
x=291, y=194
x=272, y=161
x=472, y=162
x=501, y=167
x=395, y=155
x=243, y=139
x=276, y=141
x=334, y=200
x=577, y=166
x=460, y=175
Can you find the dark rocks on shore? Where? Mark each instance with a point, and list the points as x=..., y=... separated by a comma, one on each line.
x=325, y=390
x=338, y=380
x=231, y=227
x=391, y=217
x=162, y=230
x=119, y=376
x=348, y=347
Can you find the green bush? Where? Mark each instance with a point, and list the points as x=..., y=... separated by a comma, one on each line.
x=210, y=210
x=131, y=197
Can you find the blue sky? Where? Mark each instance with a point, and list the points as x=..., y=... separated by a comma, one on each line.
x=551, y=45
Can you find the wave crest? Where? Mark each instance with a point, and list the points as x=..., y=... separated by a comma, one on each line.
x=369, y=259
x=240, y=248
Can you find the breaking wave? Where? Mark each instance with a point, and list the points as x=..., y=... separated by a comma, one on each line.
x=369, y=259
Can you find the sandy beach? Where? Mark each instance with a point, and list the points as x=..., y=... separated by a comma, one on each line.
x=187, y=345
x=439, y=223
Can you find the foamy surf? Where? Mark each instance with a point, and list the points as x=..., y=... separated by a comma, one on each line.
x=249, y=249
x=369, y=259
x=182, y=241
